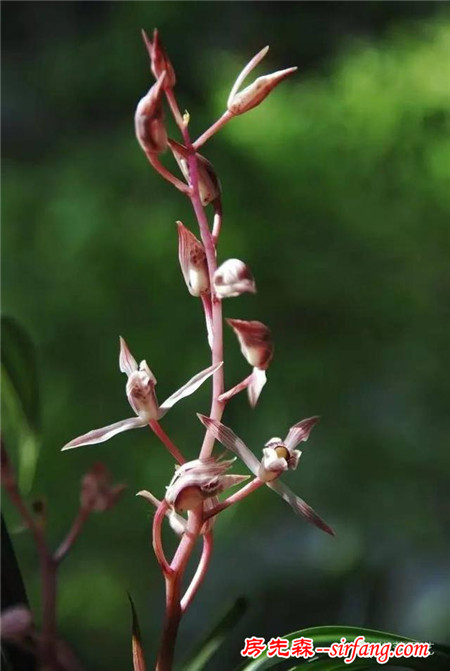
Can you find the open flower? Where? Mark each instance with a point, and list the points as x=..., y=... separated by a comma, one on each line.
x=140, y=390
x=270, y=469
x=198, y=480
x=256, y=345
x=233, y=278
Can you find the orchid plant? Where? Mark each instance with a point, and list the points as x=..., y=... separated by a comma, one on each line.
x=191, y=500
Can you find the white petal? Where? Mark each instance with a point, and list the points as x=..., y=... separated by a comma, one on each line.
x=256, y=385
x=105, y=433
x=300, y=432
x=127, y=362
x=229, y=440
x=299, y=506
x=188, y=388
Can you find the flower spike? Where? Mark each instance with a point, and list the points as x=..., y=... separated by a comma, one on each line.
x=232, y=442
x=140, y=390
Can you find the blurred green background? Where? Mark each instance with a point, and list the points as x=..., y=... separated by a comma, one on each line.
x=336, y=193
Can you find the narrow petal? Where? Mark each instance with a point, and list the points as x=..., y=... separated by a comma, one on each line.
x=127, y=362
x=299, y=506
x=259, y=379
x=300, y=432
x=105, y=433
x=189, y=388
x=229, y=440
x=251, y=65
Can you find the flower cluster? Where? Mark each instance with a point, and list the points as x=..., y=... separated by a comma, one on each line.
x=192, y=498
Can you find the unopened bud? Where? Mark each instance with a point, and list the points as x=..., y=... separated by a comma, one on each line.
x=96, y=492
x=255, y=340
x=208, y=184
x=15, y=623
x=159, y=61
x=192, y=257
x=149, y=120
x=233, y=278
x=255, y=93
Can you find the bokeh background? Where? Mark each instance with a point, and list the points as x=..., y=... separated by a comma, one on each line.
x=336, y=192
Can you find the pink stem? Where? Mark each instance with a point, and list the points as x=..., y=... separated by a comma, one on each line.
x=200, y=572
x=154, y=161
x=173, y=587
x=234, y=498
x=156, y=538
x=195, y=518
x=235, y=390
x=216, y=126
x=164, y=438
x=73, y=534
x=217, y=407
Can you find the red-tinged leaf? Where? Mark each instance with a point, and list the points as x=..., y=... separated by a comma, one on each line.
x=136, y=643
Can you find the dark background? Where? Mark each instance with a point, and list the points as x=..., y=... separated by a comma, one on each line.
x=336, y=192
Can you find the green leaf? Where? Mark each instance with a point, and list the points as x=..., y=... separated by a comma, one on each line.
x=217, y=636
x=136, y=642
x=20, y=396
x=325, y=636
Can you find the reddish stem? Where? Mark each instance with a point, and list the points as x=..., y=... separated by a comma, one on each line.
x=212, y=130
x=72, y=536
x=200, y=572
x=234, y=498
x=156, y=538
x=155, y=162
x=164, y=438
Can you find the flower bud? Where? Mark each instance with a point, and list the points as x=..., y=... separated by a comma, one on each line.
x=208, y=184
x=255, y=341
x=149, y=120
x=16, y=622
x=193, y=263
x=159, y=60
x=96, y=492
x=255, y=93
x=233, y=278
